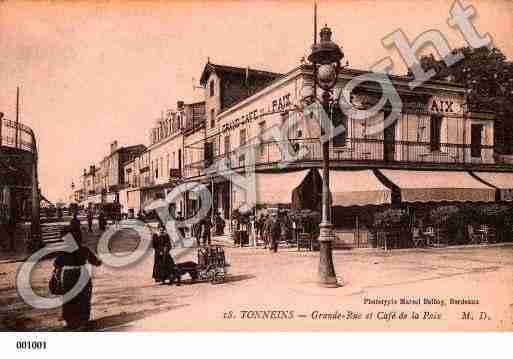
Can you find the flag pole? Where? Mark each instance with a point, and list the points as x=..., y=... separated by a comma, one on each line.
x=315, y=43
x=17, y=115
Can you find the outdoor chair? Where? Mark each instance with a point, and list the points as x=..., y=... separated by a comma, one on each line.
x=476, y=237
x=419, y=239
x=304, y=240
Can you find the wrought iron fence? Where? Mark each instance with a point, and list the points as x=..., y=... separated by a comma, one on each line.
x=358, y=150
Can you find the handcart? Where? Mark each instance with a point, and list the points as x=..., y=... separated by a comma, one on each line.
x=211, y=266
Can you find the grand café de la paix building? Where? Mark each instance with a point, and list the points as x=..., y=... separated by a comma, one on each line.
x=440, y=150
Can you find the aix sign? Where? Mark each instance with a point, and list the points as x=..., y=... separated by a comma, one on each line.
x=443, y=105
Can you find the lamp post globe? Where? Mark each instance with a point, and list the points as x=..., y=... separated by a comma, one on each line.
x=327, y=55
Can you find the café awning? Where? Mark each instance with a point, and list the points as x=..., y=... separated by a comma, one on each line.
x=439, y=186
x=502, y=180
x=277, y=188
x=358, y=188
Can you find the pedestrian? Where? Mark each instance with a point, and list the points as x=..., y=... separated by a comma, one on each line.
x=221, y=223
x=267, y=229
x=75, y=228
x=102, y=221
x=163, y=263
x=90, y=219
x=77, y=311
x=196, y=232
x=206, y=230
x=259, y=226
x=275, y=233
x=218, y=224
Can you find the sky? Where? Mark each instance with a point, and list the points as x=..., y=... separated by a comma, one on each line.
x=94, y=72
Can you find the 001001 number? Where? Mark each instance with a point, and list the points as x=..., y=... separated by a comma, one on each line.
x=31, y=345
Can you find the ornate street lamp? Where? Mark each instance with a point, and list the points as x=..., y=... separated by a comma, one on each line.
x=325, y=57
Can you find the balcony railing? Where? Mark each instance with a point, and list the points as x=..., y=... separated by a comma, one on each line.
x=355, y=150
x=16, y=135
x=194, y=123
x=175, y=173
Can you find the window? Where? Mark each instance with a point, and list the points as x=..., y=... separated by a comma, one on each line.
x=212, y=88
x=261, y=130
x=167, y=159
x=213, y=118
x=242, y=136
x=436, y=128
x=476, y=138
x=208, y=153
x=227, y=146
x=338, y=118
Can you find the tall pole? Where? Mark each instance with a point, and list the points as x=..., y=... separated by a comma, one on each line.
x=315, y=43
x=17, y=116
x=35, y=227
x=327, y=276
x=328, y=54
x=1, y=124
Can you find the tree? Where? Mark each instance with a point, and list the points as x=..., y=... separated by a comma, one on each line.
x=488, y=78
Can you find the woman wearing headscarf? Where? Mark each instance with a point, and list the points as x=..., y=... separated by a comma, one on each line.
x=77, y=311
x=163, y=265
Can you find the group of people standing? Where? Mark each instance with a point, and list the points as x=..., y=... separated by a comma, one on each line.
x=202, y=231
x=269, y=228
x=102, y=220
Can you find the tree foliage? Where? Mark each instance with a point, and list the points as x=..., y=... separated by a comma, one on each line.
x=488, y=78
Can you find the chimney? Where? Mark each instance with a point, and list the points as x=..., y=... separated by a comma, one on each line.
x=113, y=146
x=91, y=170
x=179, y=105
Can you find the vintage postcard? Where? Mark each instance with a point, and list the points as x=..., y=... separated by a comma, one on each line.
x=256, y=166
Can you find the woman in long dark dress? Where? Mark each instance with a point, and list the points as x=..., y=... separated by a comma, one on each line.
x=163, y=265
x=77, y=311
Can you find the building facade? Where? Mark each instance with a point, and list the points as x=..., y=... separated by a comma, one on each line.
x=105, y=182
x=436, y=136
x=437, y=149
x=18, y=159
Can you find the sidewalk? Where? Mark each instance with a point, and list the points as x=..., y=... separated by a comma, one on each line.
x=260, y=282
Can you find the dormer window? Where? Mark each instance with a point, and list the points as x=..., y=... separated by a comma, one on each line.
x=211, y=86
x=212, y=118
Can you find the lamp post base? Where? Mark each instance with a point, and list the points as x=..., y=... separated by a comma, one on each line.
x=327, y=276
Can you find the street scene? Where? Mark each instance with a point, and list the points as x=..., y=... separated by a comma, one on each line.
x=129, y=300
x=198, y=178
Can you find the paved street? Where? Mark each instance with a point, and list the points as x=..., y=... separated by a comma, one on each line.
x=128, y=299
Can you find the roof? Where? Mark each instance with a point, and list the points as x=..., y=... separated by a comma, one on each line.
x=133, y=147
x=210, y=67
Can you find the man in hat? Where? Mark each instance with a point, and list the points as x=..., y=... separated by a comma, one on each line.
x=275, y=232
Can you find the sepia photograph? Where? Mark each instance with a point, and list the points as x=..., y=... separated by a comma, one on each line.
x=255, y=166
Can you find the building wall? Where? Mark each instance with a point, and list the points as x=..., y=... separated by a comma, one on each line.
x=245, y=122
x=212, y=103
x=365, y=138
x=164, y=157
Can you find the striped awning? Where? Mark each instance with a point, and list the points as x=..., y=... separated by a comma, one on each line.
x=268, y=188
x=439, y=186
x=357, y=188
x=502, y=180
x=277, y=188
